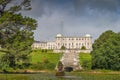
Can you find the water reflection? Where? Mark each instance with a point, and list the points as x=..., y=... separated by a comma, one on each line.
x=69, y=78
x=53, y=77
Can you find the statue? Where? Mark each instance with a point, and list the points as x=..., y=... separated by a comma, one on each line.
x=60, y=69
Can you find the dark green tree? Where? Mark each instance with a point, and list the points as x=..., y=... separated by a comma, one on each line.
x=107, y=54
x=102, y=38
x=16, y=33
x=63, y=47
x=83, y=48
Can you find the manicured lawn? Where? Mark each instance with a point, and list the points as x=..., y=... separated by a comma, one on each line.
x=44, y=60
x=85, y=60
x=85, y=56
x=39, y=56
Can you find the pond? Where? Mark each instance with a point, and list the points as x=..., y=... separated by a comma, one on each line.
x=68, y=76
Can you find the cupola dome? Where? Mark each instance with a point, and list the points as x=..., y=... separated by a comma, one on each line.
x=87, y=35
x=59, y=35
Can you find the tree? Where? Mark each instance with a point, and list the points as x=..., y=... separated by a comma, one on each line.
x=16, y=33
x=102, y=39
x=107, y=55
x=83, y=48
x=5, y=6
x=63, y=47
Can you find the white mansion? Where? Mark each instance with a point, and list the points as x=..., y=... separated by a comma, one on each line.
x=70, y=43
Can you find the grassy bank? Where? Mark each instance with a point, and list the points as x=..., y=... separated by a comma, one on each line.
x=44, y=59
x=85, y=60
x=39, y=56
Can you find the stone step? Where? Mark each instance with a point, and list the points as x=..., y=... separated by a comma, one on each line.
x=71, y=59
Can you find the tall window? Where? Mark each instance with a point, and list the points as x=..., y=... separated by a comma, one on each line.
x=88, y=43
x=79, y=43
x=76, y=44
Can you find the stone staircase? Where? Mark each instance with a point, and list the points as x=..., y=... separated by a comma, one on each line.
x=70, y=58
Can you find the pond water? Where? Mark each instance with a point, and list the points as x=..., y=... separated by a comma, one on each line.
x=68, y=76
x=53, y=77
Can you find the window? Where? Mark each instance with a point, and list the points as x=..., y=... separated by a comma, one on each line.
x=72, y=43
x=76, y=43
x=88, y=43
x=82, y=44
x=65, y=44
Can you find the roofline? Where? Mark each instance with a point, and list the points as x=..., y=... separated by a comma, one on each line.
x=74, y=37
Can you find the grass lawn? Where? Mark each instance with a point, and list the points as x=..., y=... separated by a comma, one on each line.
x=39, y=56
x=44, y=60
x=85, y=60
x=42, y=56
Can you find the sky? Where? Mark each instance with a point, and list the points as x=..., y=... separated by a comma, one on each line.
x=74, y=17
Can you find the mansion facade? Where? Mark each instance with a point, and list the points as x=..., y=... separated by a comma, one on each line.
x=69, y=42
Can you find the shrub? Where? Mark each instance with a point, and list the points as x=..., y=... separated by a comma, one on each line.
x=86, y=64
x=45, y=60
x=83, y=48
x=37, y=66
x=50, y=66
x=63, y=47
